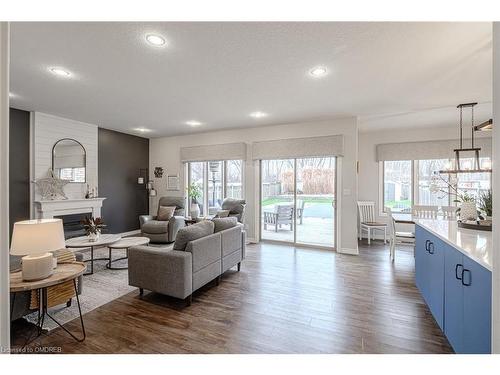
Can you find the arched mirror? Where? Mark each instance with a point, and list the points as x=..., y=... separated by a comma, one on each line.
x=69, y=160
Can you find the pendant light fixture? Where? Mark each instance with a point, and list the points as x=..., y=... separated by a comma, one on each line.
x=476, y=166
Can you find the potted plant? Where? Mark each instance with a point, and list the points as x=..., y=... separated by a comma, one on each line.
x=486, y=204
x=93, y=227
x=194, y=192
x=467, y=209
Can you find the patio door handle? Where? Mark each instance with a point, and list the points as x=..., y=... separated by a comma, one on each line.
x=427, y=242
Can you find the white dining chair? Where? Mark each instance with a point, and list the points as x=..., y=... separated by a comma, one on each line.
x=366, y=211
x=397, y=237
x=425, y=212
x=449, y=212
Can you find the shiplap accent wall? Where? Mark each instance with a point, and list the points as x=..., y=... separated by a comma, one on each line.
x=46, y=131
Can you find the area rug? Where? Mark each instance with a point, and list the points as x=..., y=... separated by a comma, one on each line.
x=98, y=289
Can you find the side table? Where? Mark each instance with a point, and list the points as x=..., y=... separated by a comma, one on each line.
x=64, y=272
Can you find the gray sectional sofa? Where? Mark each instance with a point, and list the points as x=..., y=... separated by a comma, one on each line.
x=202, y=252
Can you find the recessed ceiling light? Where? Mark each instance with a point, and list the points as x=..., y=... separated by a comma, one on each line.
x=258, y=114
x=193, y=123
x=60, y=72
x=155, y=40
x=319, y=71
x=142, y=130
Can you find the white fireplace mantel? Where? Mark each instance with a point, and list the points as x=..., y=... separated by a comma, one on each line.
x=49, y=209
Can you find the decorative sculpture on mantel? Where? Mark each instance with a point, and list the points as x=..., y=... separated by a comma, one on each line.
x=51, y=187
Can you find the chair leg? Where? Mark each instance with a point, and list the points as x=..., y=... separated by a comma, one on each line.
x=369, y=235
x=239, y=266
x=385, y=236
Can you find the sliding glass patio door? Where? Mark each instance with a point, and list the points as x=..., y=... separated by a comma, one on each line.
x=298, y=201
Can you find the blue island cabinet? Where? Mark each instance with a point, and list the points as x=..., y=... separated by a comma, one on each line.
x=429, y=264
x=457, y=290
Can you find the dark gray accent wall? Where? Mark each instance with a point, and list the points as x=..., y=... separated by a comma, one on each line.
x=120, y=159
x=19, y=166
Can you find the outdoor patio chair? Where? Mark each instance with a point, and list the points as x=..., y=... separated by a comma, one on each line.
x=282, y=215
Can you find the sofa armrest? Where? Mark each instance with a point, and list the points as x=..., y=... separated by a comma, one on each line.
x=174, y=224
x=163, y=271
x=205, y=251
x=143, y=219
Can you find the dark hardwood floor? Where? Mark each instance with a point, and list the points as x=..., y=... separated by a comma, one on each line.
x=284, y=300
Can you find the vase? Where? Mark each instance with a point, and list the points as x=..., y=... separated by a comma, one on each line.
x=94, y=237
x=468, y=211
x=194, y=211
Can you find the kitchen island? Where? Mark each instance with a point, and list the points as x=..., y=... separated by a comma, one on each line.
x=453, y=273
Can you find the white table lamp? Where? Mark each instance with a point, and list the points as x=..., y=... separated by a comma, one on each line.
x=33, y=239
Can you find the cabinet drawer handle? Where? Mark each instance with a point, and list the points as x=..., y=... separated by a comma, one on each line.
x=464, y=270
x=456, y=271
x=427, y=242
x=431, y=249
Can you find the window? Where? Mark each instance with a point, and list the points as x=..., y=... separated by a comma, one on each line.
x=408, y=182
x=217, y=180
x=197, y=176
x=234, y=174
x=398, y=185
x=425, y=172
x=474, y=183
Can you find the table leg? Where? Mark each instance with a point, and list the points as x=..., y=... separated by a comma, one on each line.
x=108, y=266
x=81, y=318
x=39, y=324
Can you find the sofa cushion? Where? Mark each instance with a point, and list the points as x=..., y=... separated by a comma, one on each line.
x=155, y=227
x=224, y=223
x=165, y=212
x=234, y=205
x=193, y=232
x=222, y=213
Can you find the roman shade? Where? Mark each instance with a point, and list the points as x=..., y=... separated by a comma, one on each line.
x=332, y=145
x=427, y=150
x=227, y=151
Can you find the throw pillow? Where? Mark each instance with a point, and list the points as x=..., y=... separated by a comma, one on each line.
x=224, y=223
x=193, y=232
x=222, y=213
x=165, y=213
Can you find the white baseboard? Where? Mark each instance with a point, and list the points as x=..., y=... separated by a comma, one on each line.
x=348, y=251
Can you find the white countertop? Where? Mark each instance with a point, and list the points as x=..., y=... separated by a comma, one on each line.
x=475, y=244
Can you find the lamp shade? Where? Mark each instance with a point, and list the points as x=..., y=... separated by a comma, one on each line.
x=37, y=236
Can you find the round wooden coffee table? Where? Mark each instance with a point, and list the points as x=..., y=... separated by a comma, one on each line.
x=83, y=242
x=124, y=243
x=64, y=272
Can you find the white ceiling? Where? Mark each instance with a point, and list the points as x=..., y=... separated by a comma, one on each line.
x=391, y=75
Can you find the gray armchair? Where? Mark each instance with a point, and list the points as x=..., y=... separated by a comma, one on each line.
x=159, y=231
x=236, y=208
